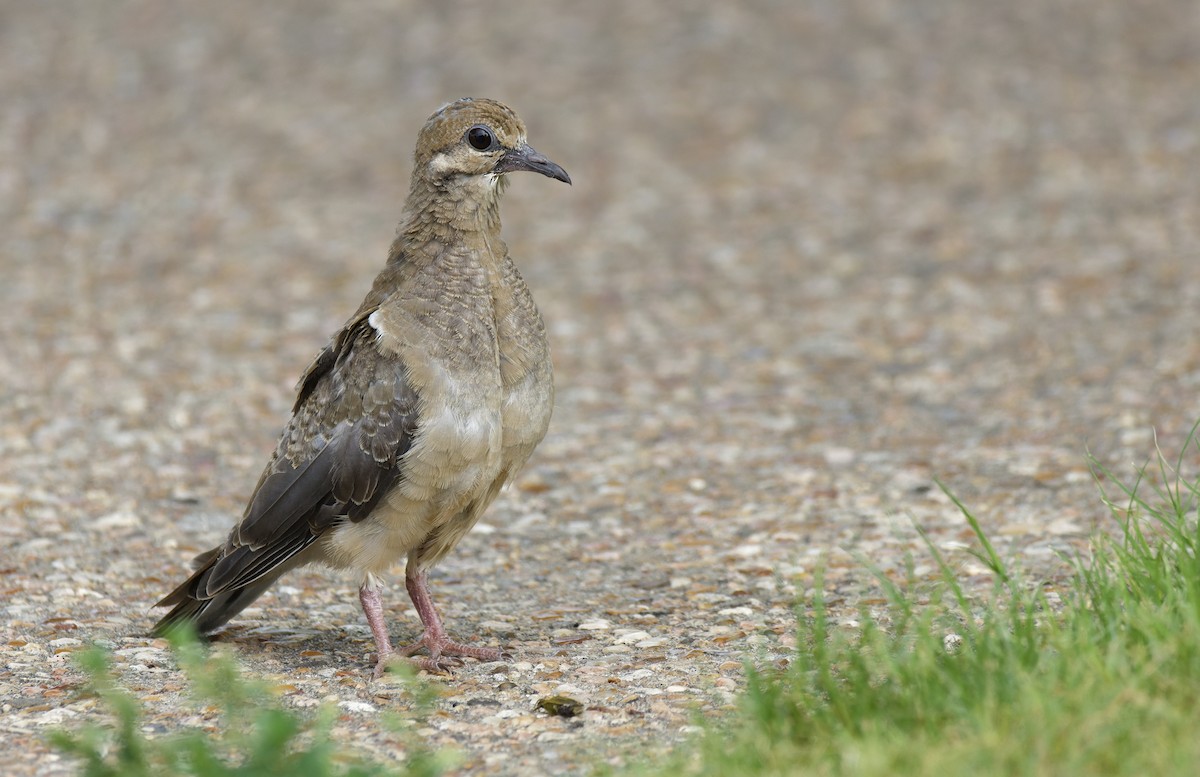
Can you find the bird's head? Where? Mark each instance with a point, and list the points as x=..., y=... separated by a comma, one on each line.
x=473, y=142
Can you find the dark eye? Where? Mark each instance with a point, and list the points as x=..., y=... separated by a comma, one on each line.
x=481, y=138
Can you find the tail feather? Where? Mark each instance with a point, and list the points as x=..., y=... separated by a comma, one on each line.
x=206, y=612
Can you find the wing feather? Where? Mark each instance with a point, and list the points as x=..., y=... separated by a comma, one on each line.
x=354, y=418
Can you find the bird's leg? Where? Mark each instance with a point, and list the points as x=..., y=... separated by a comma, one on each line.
x=435, y=639
x=372, y=604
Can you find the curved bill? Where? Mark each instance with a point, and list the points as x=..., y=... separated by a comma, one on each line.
x=525, y=158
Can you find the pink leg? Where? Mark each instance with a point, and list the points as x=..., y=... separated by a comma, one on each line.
x=372, y=605
x=435, y=639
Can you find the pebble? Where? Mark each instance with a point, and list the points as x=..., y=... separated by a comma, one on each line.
x=357, y=706
x=566, y=689
x=598, y=624
x=122, y=519
x=839, y=457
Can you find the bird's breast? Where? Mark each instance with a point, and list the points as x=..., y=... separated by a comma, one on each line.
x=528, y=404
x=456, y=451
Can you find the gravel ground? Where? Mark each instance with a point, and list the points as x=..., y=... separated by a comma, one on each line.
x=816, y=255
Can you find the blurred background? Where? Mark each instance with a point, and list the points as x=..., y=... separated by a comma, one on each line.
x=816, y=254
x=864, y=220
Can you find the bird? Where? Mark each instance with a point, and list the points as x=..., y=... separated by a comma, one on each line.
x=420, y=409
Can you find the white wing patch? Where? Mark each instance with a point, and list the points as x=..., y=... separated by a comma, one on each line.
x=376, y=323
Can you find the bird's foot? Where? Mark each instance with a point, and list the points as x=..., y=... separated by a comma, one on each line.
x=444, y=656
x=441, y=665
x=444, y=653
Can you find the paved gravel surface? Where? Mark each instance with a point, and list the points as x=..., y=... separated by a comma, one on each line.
x=816, y=254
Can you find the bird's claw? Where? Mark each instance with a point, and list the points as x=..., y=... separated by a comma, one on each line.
x=445, y=653
x=439, y=665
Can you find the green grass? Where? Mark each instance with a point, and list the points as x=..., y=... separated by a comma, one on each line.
x=1105, y=682
x=254, y=735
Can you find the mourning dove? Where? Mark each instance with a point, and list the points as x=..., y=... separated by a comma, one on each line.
x=424, y=405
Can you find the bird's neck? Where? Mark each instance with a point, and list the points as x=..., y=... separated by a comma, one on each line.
x=453, y=210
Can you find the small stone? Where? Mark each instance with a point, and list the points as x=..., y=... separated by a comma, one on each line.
x=150, y=657
x=839, y=456
x=566, y=689
x=122, y=519
x=597, y=624
x=357, y=706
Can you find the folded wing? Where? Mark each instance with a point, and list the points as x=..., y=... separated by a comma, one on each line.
x=354, y=418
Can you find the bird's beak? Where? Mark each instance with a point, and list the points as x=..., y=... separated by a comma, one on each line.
x=525, y=158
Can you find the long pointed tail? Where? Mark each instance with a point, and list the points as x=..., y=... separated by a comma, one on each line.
x=205, y=612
